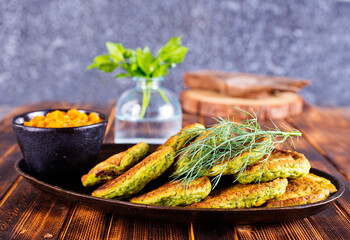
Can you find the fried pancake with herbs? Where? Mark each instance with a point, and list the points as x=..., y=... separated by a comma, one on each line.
x=115, y=165
x=280, y=164
x=308, y=189
x=243, y=195
x=227, y=166
x=136, y=178
x=180, y=139
x=173, y=194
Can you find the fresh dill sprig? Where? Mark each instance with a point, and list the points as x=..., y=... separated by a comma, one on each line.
x=229, y=147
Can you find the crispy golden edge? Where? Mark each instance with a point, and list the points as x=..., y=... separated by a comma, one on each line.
x=319, y=196
x=110, y=165
x=150, y=160
x=117, y=158
x=320, y=188
x=276, y=166
x=114, y=160
x=174, y=189
x=178, y=140
x=239, y=192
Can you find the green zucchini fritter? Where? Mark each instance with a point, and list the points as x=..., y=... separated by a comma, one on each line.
x=180, y=139
x=308, y=189
x=115, y=165
x=243, y=195
x=227, y=166
x=136, y=178
x=280, y=164
x=173, y=194
x=235, y=164
x=183, y=160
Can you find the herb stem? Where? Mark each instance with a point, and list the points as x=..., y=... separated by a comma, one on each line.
x=228, y=147
x=162, y=94
x=146, y=96
x=292, y=133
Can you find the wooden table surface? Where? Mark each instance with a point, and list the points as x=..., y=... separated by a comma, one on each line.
x=29, y=213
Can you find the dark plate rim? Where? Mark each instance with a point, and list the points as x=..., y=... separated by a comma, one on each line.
x=340, y=187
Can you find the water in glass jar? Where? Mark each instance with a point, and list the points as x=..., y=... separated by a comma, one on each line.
x=147, y=130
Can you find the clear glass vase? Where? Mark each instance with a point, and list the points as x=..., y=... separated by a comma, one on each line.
x=147, y=113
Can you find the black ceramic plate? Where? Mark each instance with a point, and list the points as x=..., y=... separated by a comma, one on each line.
x=74, y=192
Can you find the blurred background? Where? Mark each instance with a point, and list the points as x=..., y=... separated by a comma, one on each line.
x=46, y=45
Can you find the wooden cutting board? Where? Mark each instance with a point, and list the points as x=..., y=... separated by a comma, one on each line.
x=213, y=104
x=242, y=85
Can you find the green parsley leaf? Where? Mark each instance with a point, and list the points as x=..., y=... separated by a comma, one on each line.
x=122, y=75
x=107, y=67
x=141, y=62
x=115, y=51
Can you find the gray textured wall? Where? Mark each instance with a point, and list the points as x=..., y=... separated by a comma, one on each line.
x=46, y=45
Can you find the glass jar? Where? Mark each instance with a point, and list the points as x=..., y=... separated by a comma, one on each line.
x=147, y=113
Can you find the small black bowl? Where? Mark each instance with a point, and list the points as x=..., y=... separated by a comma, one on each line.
x=53, y=153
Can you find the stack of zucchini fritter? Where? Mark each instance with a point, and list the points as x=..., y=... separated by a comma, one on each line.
x=282, y=180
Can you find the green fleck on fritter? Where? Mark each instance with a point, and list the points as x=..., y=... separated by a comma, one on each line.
x=173, y=194
x=243, y=195
x=115, y=165
x=136, y=178
x=280, y=164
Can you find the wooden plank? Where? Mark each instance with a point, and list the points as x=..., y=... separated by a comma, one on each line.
x=7, y=137
x=120, y=228
x=188, y=119
x=86, y=223
x=28, y=213
x=328, y=133
x=301, y=229
x=4, y=111
x=341, y=112
x=242, y=85
x=8, y=174
x=7, y=140
x=210, y=103
x=213, y=231
x=132, y=228
x=209, y=121
x=332, y=224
